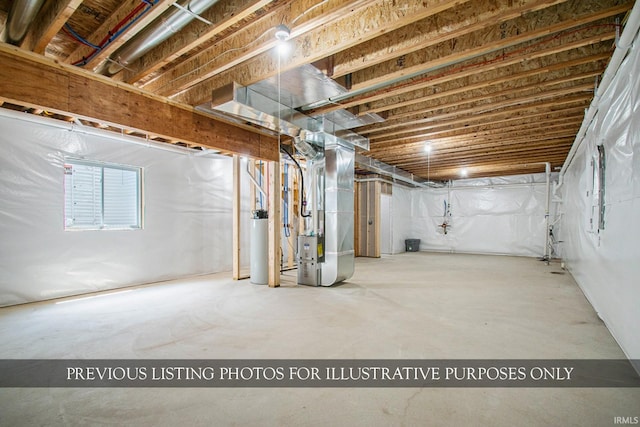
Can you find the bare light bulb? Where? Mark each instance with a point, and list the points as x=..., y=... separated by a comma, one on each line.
x=282, y=32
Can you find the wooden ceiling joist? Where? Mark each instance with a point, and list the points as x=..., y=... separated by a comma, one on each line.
x=352, y=29
x=249, y=42
x=492, y=159
x=462, y=20
x=561, y=52
x=524, y=124
x=579, y=101
x=97, y=61
x=475, y=149
x=574, y=80
x=532, y=166
x=223, y=15
x=549, y=97
x=595, y=63
x=470, y=141
x=488, y=41
x=493, y=85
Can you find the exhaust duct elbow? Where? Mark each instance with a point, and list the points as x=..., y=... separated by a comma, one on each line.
x=305, y=148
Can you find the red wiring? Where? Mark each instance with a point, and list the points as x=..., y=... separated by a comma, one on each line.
x=114, y=30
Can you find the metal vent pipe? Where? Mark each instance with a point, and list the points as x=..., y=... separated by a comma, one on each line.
x=21, y=15
x=158, y=31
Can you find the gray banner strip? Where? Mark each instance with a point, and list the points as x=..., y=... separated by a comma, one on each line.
x=317, y=373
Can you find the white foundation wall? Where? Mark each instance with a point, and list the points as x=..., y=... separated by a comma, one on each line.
x=400, y=217
x=606, y=263
x=187, y=216
x=504, y=215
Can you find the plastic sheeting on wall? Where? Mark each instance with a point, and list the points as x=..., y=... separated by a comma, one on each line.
x=504, y=215
x=187, y=216
x=605, y=262
x=400, y=217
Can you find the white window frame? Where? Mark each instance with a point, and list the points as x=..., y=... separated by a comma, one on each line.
x=99, y=218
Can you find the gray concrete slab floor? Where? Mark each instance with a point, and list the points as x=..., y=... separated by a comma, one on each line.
x=407, y=306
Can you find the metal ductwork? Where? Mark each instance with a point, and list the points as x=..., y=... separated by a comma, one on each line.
x=158, y=31
x=21, y=15
x=326, y=248
x=275, y=103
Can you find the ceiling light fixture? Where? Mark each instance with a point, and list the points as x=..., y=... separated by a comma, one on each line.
x=427, y=147
x=282, y=33
x=463, y=172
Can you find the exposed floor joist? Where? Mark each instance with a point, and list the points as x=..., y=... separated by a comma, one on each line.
x=480, y=80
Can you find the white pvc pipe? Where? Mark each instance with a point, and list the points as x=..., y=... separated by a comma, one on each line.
x=254, y=182
x=622, y=47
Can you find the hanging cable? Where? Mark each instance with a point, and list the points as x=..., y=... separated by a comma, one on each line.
x=71, y=32
x=303, y=201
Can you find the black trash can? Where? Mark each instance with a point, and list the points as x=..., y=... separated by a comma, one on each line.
x=412, y=245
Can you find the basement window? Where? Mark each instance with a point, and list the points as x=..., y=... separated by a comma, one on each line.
x=102, y=196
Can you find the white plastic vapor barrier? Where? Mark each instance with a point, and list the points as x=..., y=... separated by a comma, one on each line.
x=400, y=217
x=186, y=215
x=495, y=216
x=605, y=262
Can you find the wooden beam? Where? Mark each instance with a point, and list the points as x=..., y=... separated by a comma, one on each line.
x=48, y=23
x=352, y=29
x=275, y=224
x=30, y=79
x=235, y=212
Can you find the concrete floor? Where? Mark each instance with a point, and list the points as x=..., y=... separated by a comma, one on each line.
x=413, y=305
